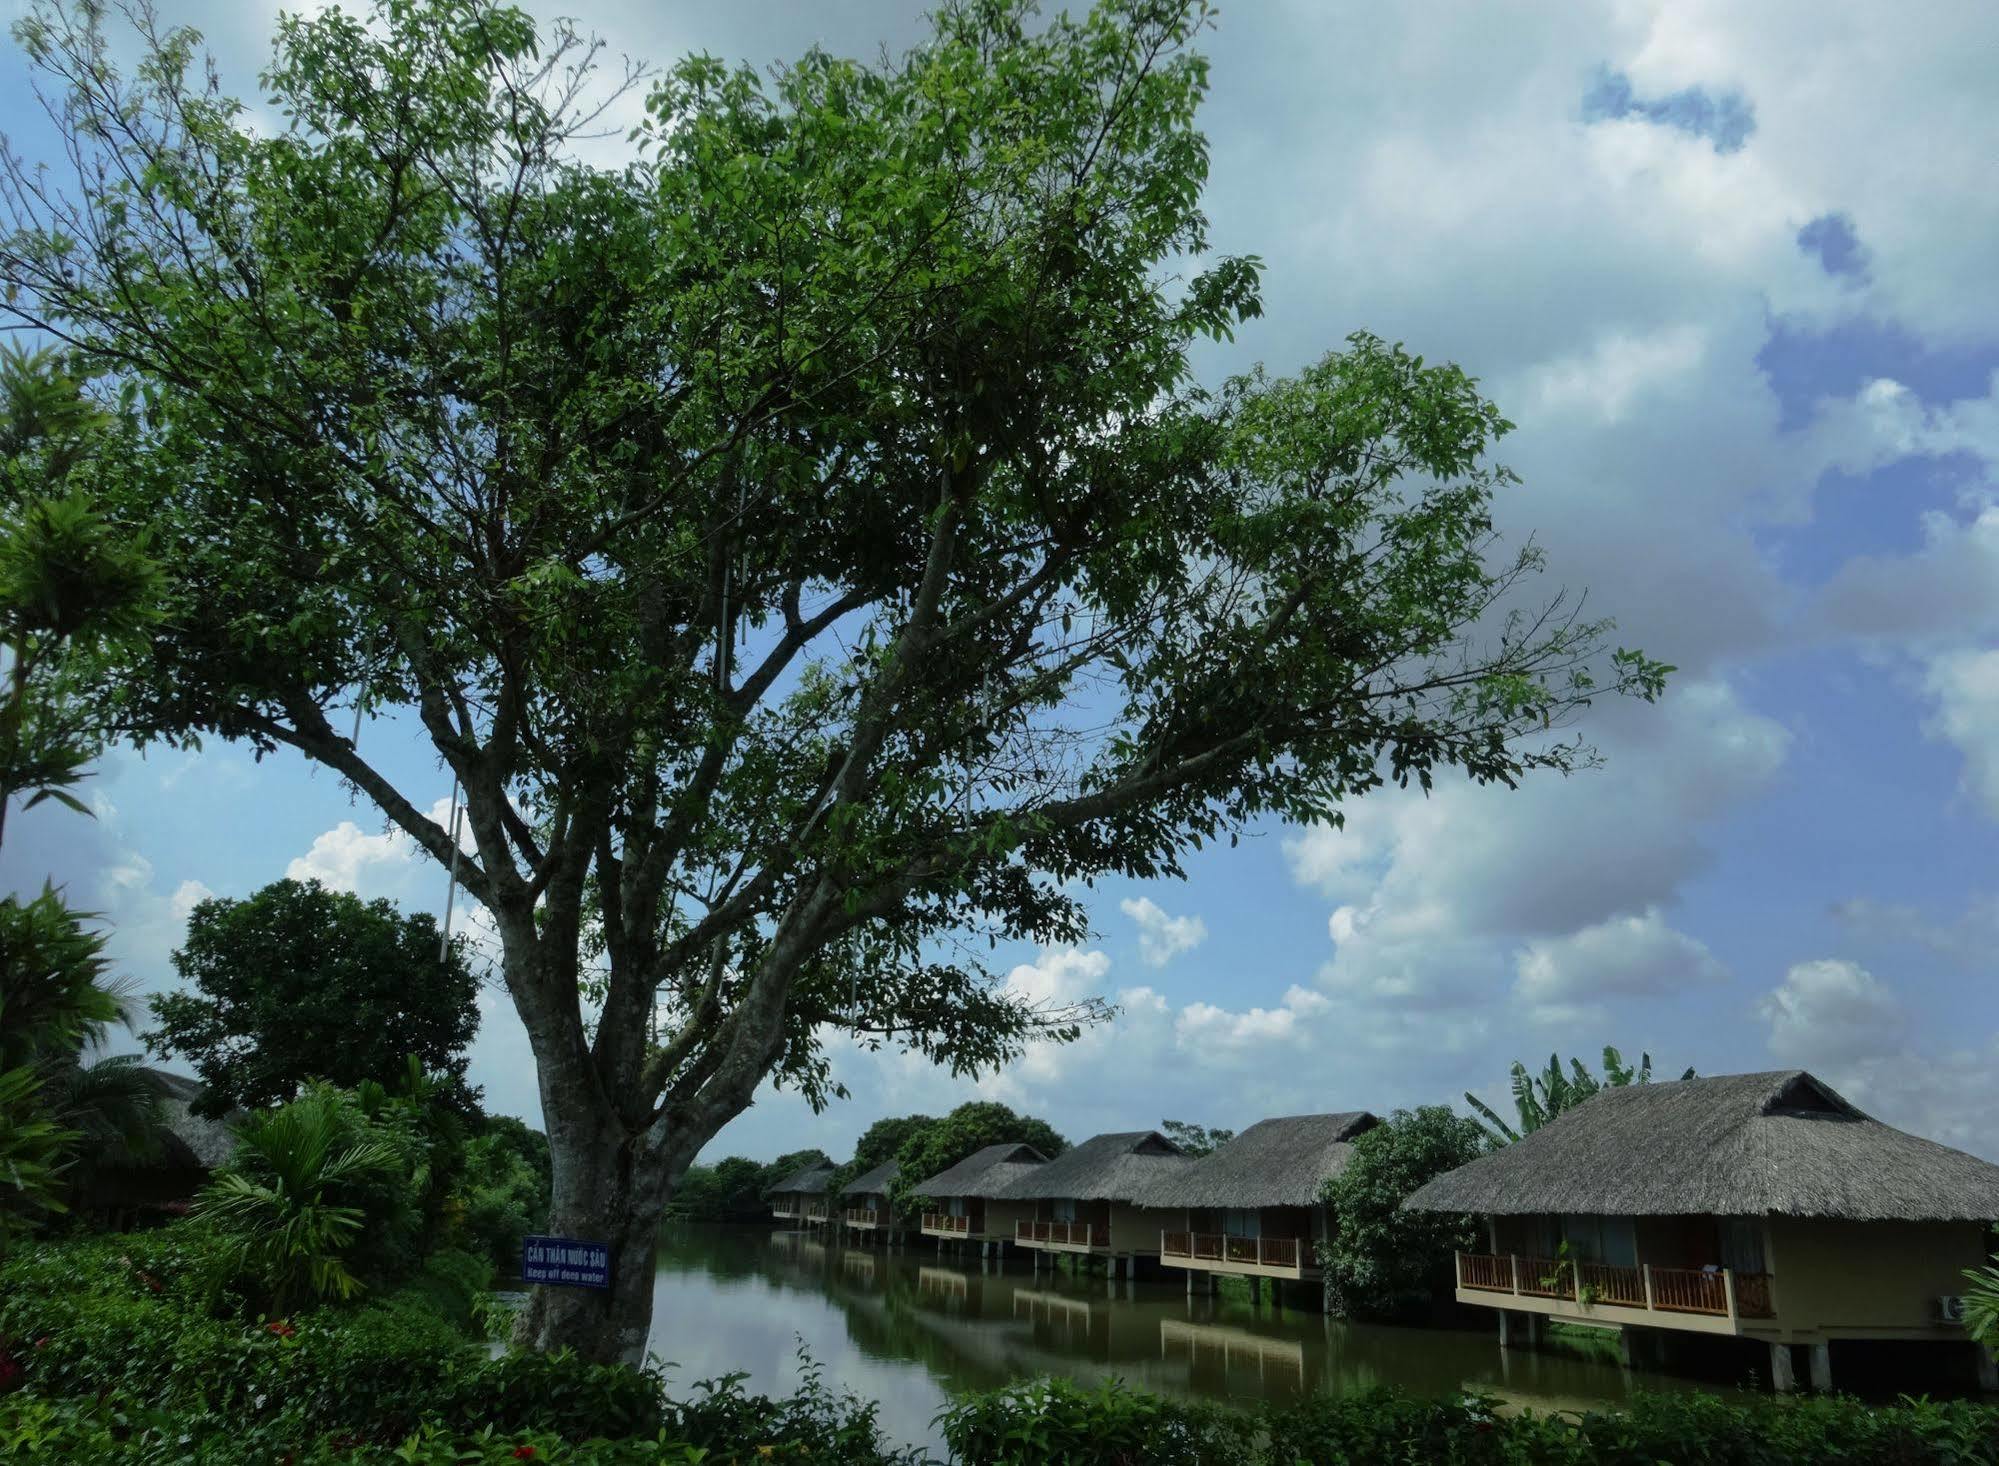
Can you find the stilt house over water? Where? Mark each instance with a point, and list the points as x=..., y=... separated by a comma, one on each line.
x=1087, y=1200
x=803, y=1195
x=1759, y=1207
x=1252, y=1206
x=866, y=1204
x=967, y=1202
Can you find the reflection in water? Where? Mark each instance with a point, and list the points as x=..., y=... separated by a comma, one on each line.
x=909, y=1329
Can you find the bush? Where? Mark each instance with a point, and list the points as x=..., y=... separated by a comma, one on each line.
x=1052, y=1420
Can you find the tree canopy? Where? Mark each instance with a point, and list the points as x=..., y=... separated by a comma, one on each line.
x=806, y=543
x=969, y=1128
x=1196, y=1140
x=301, y=982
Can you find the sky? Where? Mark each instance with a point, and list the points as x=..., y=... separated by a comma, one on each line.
x=1729, y=269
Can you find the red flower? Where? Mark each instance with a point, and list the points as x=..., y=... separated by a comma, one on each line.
x=42, y=1342
x=279, y=1327
x=525, y=1453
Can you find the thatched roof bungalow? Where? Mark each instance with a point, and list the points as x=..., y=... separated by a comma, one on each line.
x=804, y=1195
x=1252, y=1206
x=968, y=1199
x=123, y=1194
x=1087, y=1200
x=866, y=1198
x=1756, y=1205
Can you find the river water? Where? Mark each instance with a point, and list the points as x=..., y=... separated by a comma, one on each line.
x=910, y=1329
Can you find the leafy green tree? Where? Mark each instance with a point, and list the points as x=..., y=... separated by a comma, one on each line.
x=879, y=1144
x=969, y=1128
x=77, y=587
x=1381, y=1261
x=731, y=1190
x=806, y=544
x=1196, y=1140
x=300, y=982
x=505, y=1190
x=1538, y=1098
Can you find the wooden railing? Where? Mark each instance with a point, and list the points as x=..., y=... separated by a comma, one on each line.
x=863, y=1216
x=1718, y=1293
x=1279, y=1252
x=1055, y=1234
x=943, y=1221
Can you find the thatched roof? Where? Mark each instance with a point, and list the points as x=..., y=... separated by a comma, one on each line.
x=983, y=1173
x=1743, y=1145
x=191, y=1141
x=1120, y=1167
x=1280, y=1162
x=809, y=1180
x=875, y=1182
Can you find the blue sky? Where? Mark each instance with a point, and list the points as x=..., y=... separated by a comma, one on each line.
x=1729, y=269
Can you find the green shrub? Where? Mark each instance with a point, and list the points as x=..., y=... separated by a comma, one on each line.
x=1048, y=1420
x=453, y=1284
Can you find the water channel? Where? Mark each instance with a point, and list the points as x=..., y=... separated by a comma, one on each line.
x=909, y=1329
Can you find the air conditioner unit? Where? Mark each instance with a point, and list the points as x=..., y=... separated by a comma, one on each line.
x=1950, y=1308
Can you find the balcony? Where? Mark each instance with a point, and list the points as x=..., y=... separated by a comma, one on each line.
x=863, y=1216
x=787, y=1211
x=815, y=1212
x=1060, y=1236
x=944, y=1224
x=1260, y=1257
x=1692, y=1299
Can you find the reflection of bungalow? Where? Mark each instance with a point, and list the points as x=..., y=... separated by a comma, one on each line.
x=968, y=1196
x=1754, y=1206
x=1086, y=1199
x=1252, y=1206
x=1231, y=1355
x=803, y=1195
x=866, y=1200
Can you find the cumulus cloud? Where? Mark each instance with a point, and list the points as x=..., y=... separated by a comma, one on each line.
x=1965, y=685
x=1204, y=1026
x=1630, y=956
x=1832, y=1012
x=1434, y=895
x=1161, y=938
x=1966, y=940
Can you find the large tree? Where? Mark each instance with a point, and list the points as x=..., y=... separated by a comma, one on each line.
x=969, y=1128
x=299, y=982
x=805, y=542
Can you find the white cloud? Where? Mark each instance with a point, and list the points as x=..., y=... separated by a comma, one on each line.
x=1434, y=894
x=1966, y=940
x=1965, y=685
x=1832, y=1012
x=346, y=859
x=1203, y=1027
x=1161, y=938
x=1631, y=956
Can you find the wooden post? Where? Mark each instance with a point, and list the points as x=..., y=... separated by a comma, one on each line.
x=1646, y=1268
x=1822, y=1367
x=1728, y=1288
x=1514, y=1257
x=1458, y=1264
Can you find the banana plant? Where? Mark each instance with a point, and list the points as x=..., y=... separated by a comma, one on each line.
x=1539, y=1098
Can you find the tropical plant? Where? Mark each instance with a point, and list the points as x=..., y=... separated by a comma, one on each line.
x=287, y=1202
x=298, y=981
x=1196, y=1140
x=805, y=541
x=1538, y=1098
x=1981, y=1305
x=1381, y=1261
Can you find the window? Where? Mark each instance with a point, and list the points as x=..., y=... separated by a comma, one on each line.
x=1237, y=1222
x=1609, y=1240
x=1742, y=1245
x=1065, y=1209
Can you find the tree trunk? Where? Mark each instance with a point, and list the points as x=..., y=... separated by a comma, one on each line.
x=613, y=1195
